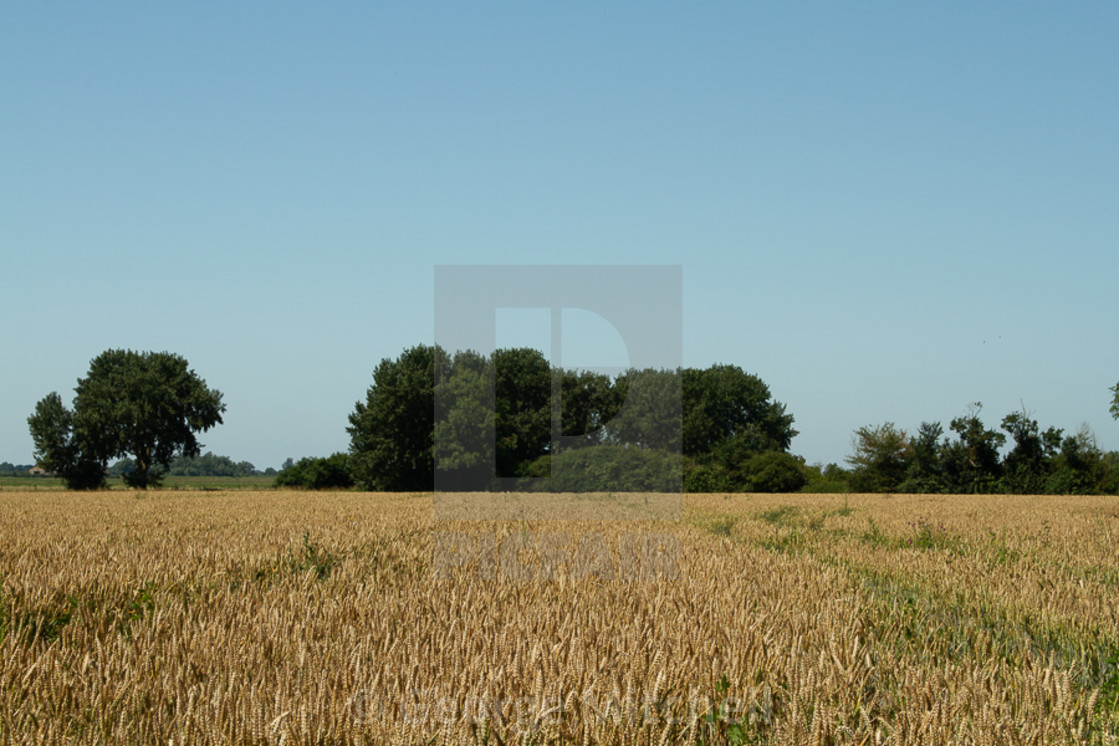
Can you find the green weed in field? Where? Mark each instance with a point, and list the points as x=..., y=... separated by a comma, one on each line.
x=314, y=558
x=782, y=516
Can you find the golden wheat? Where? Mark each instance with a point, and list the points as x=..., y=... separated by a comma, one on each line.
x=338, y=618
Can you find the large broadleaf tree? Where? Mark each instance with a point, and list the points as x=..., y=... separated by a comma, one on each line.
x=145, y=405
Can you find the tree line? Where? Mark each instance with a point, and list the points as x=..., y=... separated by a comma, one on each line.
x=733, y=436
x=887, y=458
x=480, y=419
x=208, y=464
x=510, y=419
x=8, y=469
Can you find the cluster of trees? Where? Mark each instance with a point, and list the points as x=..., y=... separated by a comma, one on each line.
x=331, y=472
x=146, y=405
x=8, y=469
x=510, y=419
x=206, y=465
x=889, y=459
x=485, y=420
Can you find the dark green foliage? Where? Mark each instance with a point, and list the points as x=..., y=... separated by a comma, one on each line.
x=1109, y=473
x=328, y=473
x=1039, y=461
x=43, y=623
x=651, y=415
x=734, y=436
x=482, y=419
x=881, y=460
x=1026, y=465
x=589, y=401
x=1115, y=401
x=1079, y=468
x=391, y=432
x=8, y=469
x=465, y=423
x=971, y=463
x=925, y=473
x=523, y=414
x=210, y=465
x=724, y=403
x=148, y=405
x=773, y=471
x=145, y=404
x=609, y=468
x=58, y=447
x=313, y=558
x=707, y=477
x=826, y=479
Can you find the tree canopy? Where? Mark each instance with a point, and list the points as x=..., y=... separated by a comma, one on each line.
x=147, y=405
x=1038, y=461
x=391, y=432
x=310, y=473
x=493, y=417
x=882, y=455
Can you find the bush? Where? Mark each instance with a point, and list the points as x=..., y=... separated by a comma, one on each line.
x=826, y=479
x=327, y=473
x=608, y=469
x=706, y=477
x=773, y=471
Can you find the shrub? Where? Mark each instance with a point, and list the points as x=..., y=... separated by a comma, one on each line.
x=773, y=471
x=706, y=477
x=609, y=469
x=327, y=473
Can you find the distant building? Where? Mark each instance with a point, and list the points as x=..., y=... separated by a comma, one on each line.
x=37, y=471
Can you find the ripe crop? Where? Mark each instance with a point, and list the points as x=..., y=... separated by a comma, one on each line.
x=339, y=618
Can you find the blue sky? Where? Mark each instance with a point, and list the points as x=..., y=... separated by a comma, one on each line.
x=885, y=210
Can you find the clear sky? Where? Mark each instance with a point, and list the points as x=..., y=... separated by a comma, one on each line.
x=887, y=211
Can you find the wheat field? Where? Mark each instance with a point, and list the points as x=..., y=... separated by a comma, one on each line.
x=339, y=618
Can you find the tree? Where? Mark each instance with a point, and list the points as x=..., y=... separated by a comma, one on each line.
x=606, y=468
x=881, y=458
x=464, y=423
x=210, y=465
x=392, y=431
x=831, y=478
x=926, y=467
x=773, y=471
x=1115, y=401
x=1079, y=467
x=1026, y=465
x=148, y=405
x=327, y=473
x=722, y=403
x=523, y=413
x=651, y=410
x=589, y=400
x=58, y=448
x=971, y=463
x=482, y=418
